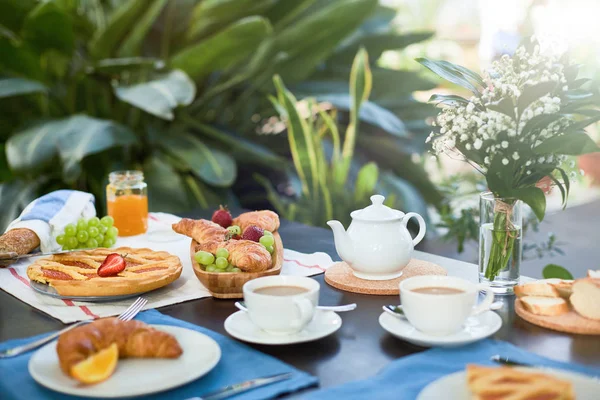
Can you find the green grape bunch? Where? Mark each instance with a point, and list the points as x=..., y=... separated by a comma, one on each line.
x=89, y=234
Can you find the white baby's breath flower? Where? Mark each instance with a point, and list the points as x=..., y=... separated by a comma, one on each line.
x=505, y=161
x=516, y=156
x=477, y=144
x=504, y=144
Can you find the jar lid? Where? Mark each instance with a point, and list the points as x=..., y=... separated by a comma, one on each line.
x=377, y=211
x=126, y=176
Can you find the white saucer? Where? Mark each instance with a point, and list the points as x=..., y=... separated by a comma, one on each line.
x=241, y=327
x=134, y=376
x=454, y=386
x=476, y=328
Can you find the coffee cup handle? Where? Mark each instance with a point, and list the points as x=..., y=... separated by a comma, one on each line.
x=487, y=301
x=305, y=307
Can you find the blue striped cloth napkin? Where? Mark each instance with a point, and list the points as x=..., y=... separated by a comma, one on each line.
x=48, y=215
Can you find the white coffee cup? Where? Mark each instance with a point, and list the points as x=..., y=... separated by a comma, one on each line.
x=281, y=315
x=442, y=314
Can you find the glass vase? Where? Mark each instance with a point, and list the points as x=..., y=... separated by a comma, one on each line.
x=500, y=242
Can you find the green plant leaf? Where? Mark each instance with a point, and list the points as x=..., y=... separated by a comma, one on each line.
x=284, y=13
x=166, y=188
x=211, y=165
x=366, y=181
x=556, y=271
x=210, y=16
x=49, y=27
x=71, y=139
x=534, y=197
x=19, y=86
x=571, y=144
x=133, y=41
x=14, y=12
x=533, y=93
x=19, y=59
x=105, y=42
x=454, y=73
x=160, y=96
x=224, y=49
x=112, y=66
x=14, y=197
x=409, y=197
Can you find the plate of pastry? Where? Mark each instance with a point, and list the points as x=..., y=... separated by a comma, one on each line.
x=562, y=305
x=112, y=358
x=227, y=252
x=103, y=274
x=498, y=383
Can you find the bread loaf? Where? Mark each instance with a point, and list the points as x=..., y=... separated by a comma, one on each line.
x=20, y=241
x=545, y=305
x=586, y=298
x=538, y=288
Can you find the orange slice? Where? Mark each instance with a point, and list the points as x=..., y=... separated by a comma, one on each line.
x=97, y=367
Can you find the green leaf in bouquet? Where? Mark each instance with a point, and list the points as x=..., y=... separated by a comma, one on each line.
x=366, y=181
x=209, y=164
x=553, y=271
x=562, y=189
x=534, y=197
x=454, y=73
x=105, y=41
x=577, y=83
x=571, y=72
x=132, y=43
x=578, y=94
x=18, y=86
x=504, y=106
x=49, y=27
x=448, y=99
x=160, y=96
x=163, y=183
x=566, y=182
x=570, y=144
x=533, y=93
x=579, y=125
x=112, y=66
x=540, y=122
x=224, y=49
x=210, y=16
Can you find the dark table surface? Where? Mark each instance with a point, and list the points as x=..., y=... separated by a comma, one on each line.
x=361, y=347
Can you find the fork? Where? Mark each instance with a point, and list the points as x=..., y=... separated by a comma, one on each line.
x=126, y=315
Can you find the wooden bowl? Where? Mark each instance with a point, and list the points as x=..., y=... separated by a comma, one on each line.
x=228, y=285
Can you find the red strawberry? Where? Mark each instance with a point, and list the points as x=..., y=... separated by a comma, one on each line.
x=253, y=233
x=222, y=217
x=112, y=265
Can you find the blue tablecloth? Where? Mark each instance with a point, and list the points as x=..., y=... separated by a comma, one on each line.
x=238, y=363
x=404, y=378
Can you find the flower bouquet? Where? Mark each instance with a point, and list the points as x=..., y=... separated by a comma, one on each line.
x=526, y=116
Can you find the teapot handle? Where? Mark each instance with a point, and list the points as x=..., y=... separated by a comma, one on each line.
x=422, y=226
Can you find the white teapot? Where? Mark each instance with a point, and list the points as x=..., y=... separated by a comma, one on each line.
x=377, y=245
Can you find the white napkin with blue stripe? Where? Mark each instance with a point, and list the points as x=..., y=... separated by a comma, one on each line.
x=48, y=215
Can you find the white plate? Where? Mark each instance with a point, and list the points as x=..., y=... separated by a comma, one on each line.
x=134, y=376
x=48, y=290
x=476, y=328
x=241, y=327
x=454, y=386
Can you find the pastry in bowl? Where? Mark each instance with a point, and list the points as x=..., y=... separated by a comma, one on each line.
x=80, y=274
x=89, y=353
x=504, y=383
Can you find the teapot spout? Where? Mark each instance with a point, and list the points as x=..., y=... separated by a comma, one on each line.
x=343, y=243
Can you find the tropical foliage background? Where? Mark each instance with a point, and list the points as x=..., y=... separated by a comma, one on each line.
x=181, y=90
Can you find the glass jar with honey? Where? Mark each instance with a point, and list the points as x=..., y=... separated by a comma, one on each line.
x=127, y=202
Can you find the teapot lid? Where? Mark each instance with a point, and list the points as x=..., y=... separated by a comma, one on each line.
x=377, y=211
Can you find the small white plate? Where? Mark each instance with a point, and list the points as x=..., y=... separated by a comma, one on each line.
x=454, y=386
x=476, y=328
x=134, y=376
x=241, y=327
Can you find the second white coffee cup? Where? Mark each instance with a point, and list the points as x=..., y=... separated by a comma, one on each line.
x=281, y=305
x=440, y=305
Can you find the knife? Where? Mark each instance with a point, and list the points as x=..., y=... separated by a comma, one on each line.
x=508, y=362
x=242, y=387
x=12, y=256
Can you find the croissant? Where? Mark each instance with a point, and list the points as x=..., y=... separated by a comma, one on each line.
x=133, y=338
x=247, y=255
x=200, y=230
x=19, y=240
x=266, y=219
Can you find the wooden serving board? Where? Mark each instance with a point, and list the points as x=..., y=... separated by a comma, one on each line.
x=228, y=285
x=570, y=322
x=340, y=276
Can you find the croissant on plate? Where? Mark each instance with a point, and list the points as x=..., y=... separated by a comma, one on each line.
x=266, y=219
x=247, y=255
x=200, y=230
x=133, y=338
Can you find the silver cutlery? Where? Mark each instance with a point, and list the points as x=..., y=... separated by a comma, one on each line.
x=242, y=387
x=508, y=362
x=397, y=311
x=126, y=315
x=11, y=256
x=347, y=307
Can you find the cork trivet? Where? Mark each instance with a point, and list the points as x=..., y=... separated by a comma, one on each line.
x=570, y=322
x=340, y=276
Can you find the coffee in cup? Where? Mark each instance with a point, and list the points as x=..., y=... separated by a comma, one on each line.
x=281, y=305
x=440, y=305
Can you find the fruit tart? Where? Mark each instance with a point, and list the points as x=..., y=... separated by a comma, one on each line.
x=106, y=272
